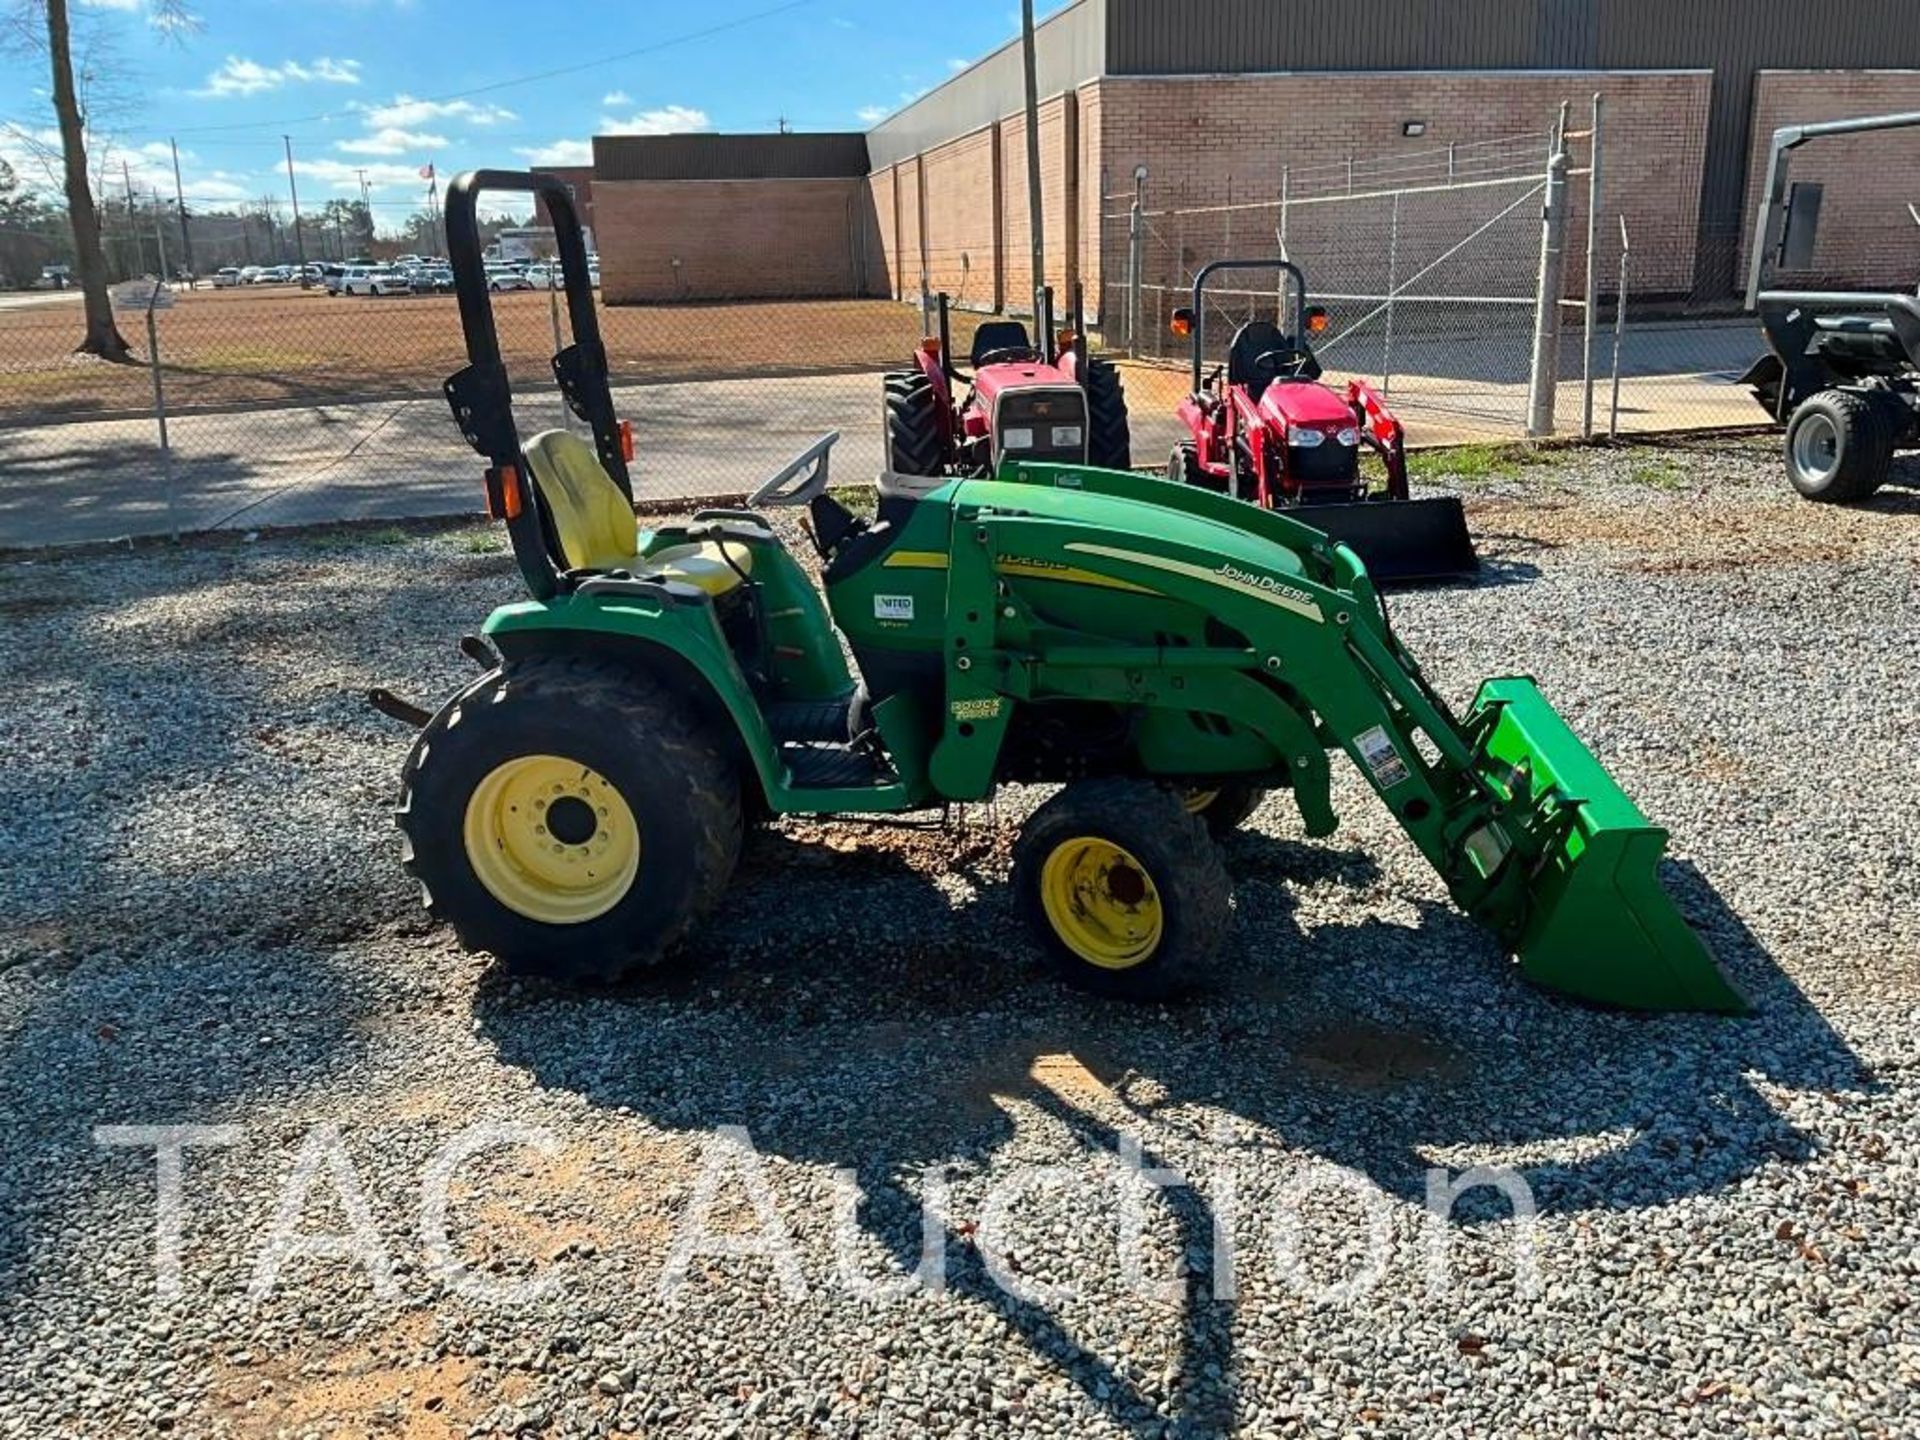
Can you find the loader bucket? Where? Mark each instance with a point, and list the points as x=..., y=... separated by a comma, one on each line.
x=1401, y=541
x=1598, y=924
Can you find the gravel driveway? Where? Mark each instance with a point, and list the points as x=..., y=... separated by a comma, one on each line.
x=207, y=925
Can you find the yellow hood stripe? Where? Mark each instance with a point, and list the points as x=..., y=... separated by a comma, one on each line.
x=1286, y=601
x=1066, y=574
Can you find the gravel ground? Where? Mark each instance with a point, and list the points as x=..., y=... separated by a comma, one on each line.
x=207, y=925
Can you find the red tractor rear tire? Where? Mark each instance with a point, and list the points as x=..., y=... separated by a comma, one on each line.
x=912, y=418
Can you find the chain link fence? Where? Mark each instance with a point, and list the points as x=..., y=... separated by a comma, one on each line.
x=1456, y=279
x=287, y=405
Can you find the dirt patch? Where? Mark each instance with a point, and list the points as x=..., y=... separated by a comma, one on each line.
x=1368, y=1057
x=228, y=348
x=390, y=1384
x=1684, y=539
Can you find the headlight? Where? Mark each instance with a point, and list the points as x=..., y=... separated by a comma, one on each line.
x=1349, y=437
x=1065, y=435
x=1017, y=439
x=1304, y=438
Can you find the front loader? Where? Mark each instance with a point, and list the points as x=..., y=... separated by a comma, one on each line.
x=1144, y=646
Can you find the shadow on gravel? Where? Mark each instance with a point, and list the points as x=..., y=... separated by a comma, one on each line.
x=890, y=1020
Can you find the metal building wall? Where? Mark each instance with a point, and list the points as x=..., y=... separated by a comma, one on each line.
x=1069, y=51
x=768, y=156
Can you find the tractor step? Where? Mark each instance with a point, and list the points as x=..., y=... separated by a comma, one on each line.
x=834, y=765
x=809, y=720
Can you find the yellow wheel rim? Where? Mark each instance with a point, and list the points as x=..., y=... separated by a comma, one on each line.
x=1101, y=902
x=552, y=840
x=1198, y=800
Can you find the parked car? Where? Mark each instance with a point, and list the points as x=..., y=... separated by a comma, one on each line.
x=432, y=280
x=226, y=277
x=373, y=280
x=545, y=275
x=250, y=274
x=331, y=274
x=505, y=277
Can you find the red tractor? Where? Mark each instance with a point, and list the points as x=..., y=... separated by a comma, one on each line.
x=1022, y=402
x=1264, y=429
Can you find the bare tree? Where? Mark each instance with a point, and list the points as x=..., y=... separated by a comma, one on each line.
x=46, y=23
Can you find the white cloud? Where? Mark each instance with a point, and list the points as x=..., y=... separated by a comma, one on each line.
x=391, y=141
x=238, y=76
x=127, y=5
x=873, y=114
x=403, y=112
x=667, y=120
x=616, y=97
x=560, y=152
x=344, y=175
x=954, y=67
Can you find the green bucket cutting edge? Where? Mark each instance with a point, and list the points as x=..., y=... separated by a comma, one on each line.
x=1599, y=926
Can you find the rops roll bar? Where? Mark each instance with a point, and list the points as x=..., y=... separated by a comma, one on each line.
x=1286, y=267
x=479, y=395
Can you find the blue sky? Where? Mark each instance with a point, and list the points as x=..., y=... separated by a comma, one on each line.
x=388, y=86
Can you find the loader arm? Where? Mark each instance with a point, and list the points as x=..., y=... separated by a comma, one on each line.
x=1530, y=835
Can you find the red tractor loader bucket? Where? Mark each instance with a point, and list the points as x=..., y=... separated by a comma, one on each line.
x=1402, y=542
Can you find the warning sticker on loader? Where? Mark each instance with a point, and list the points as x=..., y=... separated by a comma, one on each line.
x=893, y=607
x=1382, y=760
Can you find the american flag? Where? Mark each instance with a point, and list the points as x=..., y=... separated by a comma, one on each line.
x=426, y=172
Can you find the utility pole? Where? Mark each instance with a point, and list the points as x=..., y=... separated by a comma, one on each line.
x=133, y=226
x=366, y=209
x=1034, y=228
x=180, y=203
x=299, y=238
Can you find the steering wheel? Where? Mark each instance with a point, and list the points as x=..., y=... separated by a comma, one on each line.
x=800, y=480
x=1292, y=356
x=1007, y=354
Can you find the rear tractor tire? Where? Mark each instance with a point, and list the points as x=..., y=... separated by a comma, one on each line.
x=1123, y=887
x=1109, y=432
x=912, y=418
x=1839, y=446
x=567, y=816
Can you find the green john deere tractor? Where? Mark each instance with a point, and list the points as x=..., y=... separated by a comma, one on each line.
x=1161, y=653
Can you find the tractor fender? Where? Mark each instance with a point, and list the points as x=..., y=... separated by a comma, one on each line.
x=934, y=367
x=683, y=650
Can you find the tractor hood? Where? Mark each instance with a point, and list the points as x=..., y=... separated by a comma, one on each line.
x=991, y=380
x=1301, y=402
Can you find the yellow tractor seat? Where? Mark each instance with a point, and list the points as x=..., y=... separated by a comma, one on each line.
x=595, y=528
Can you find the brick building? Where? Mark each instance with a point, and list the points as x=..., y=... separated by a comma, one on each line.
x=579, y=182
x=1214, y=98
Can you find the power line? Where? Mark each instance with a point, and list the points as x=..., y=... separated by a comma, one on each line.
x=720, y=28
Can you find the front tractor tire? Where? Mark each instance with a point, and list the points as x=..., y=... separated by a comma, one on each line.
x=1839, y=446
x=1109, y=433
x=1224, y=808
x=1123, y=887
x=912, y=418
x=567, y=816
